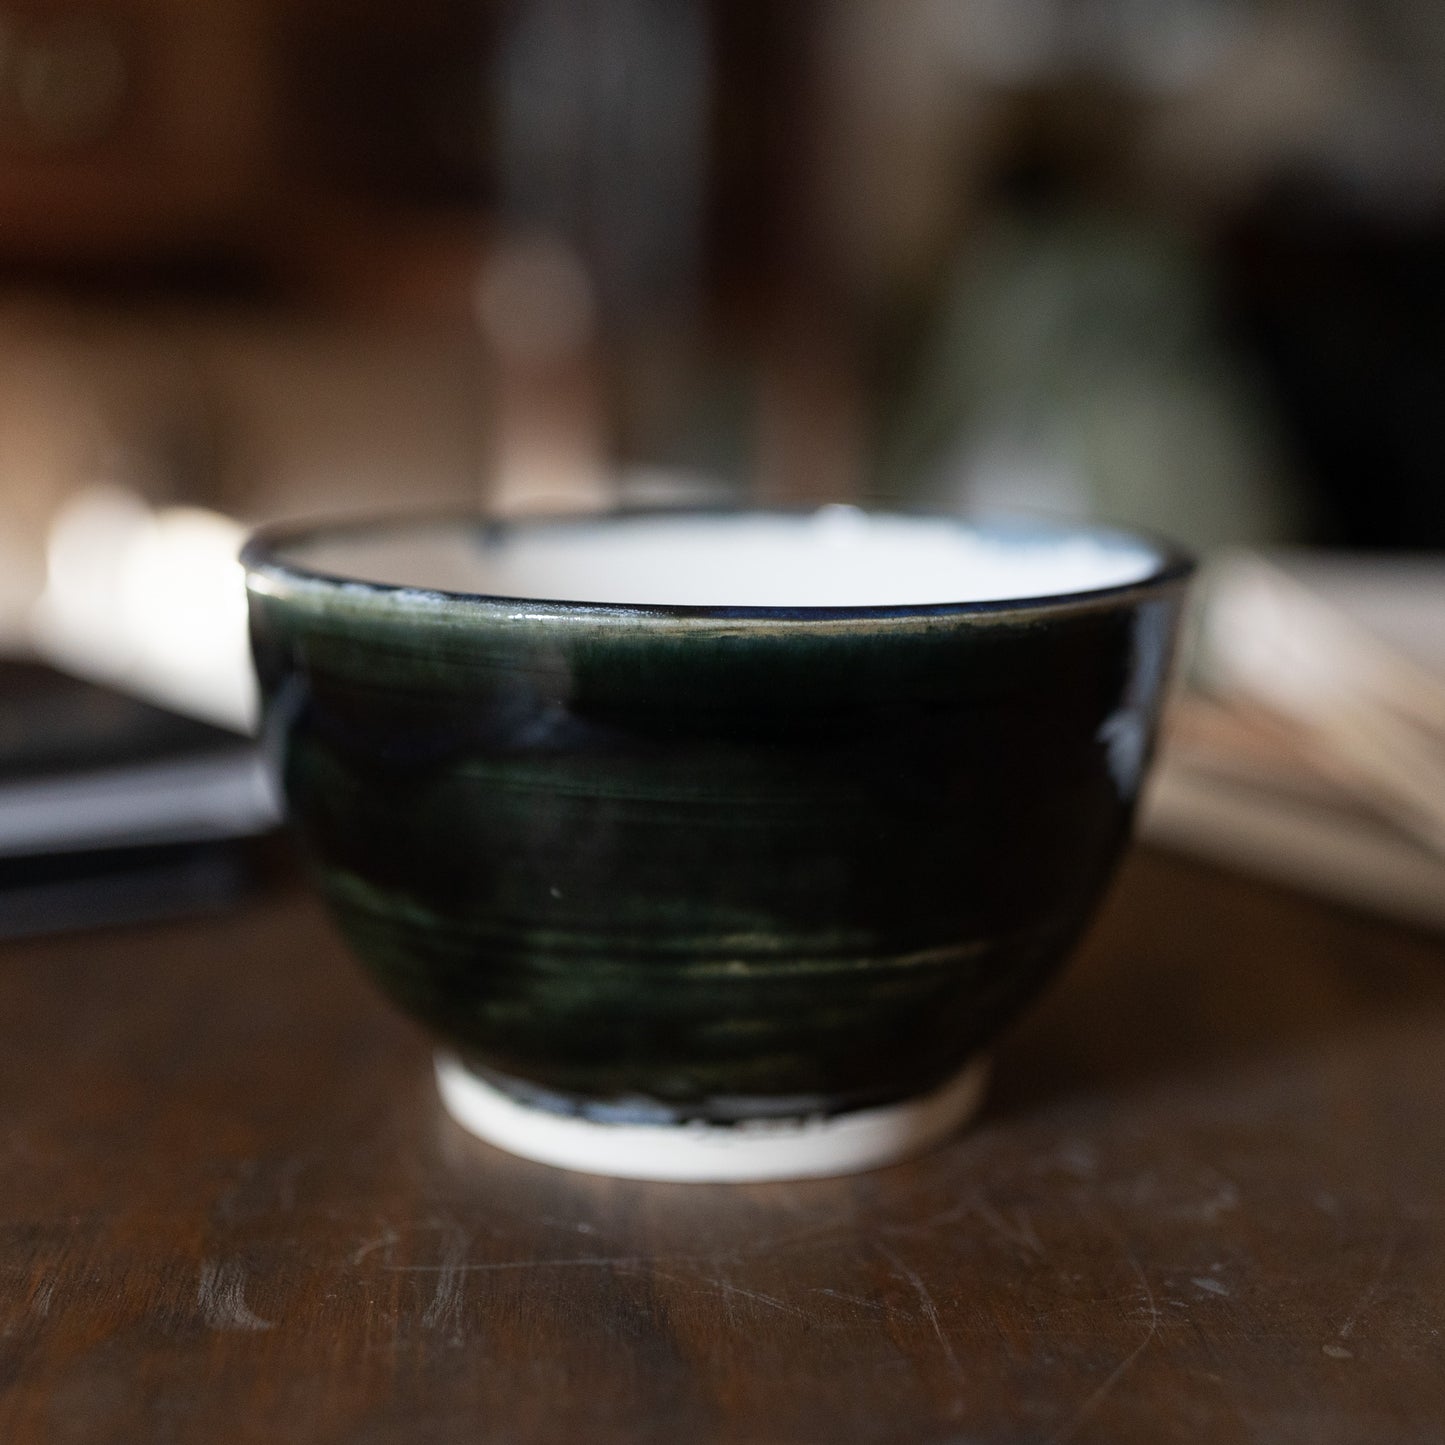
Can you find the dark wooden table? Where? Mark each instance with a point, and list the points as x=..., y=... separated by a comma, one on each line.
x=1207, y=1202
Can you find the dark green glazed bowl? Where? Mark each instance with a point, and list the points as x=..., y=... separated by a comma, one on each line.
x=640, y=865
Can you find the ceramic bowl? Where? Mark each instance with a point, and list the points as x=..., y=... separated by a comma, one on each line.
x=711, y=844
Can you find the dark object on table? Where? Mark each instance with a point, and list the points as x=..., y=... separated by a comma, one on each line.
x=112, y=810
x=668, y=861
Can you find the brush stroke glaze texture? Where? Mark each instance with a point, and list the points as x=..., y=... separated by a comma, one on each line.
x=643, y=863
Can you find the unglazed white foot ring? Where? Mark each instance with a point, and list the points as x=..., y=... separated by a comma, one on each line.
x=799, y=1148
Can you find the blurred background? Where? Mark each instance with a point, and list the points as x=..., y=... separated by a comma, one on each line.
x=1174, y=263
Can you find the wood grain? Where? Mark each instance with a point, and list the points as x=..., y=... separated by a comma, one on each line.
x=1207, y=1201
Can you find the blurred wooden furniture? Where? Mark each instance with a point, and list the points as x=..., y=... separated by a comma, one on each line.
x=128, y=126
x=246, y=147
x=1204, y=1203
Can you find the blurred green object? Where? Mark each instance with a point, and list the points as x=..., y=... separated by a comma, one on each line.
x=1075, y=366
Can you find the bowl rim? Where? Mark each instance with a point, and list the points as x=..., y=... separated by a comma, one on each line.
x=268, y=572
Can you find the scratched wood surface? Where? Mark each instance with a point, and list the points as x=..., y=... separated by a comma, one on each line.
x=1207, y=1202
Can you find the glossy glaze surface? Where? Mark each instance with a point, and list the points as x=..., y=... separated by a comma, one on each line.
x=659, y=863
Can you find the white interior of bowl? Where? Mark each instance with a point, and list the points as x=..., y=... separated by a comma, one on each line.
x=837, y=556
